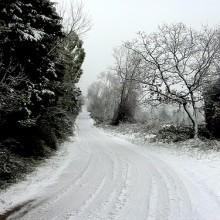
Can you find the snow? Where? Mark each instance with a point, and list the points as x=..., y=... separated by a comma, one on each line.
x=18, y=8
x=102, y=176
x=36, y=182
x=48, y=92
x=4, y=10
x=38, y=34
x=32, y=34
x=16, y=18
x=45, y=18
x=28, y=5
x=27, y=36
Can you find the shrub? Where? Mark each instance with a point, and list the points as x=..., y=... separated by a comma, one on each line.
x=180, y=133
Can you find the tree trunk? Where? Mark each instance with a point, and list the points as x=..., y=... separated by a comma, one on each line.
x=193, y=119
x=196, y=126
x=196, y=129
x=115, y=120
x=118, y=113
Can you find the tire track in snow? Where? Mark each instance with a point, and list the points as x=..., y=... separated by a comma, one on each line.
x=153, y=200
x=92, y=196
x=65, y=190
x=117, y=180
x=122, y=197
x=115, y=190
x=177, y=195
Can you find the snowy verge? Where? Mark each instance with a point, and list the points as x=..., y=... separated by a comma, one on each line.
x=35, y=182
x=138, y=134
x=132, y=131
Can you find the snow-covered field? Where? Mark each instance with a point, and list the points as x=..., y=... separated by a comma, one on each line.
x=102, y=176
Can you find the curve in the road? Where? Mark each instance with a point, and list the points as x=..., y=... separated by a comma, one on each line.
x=111, y=179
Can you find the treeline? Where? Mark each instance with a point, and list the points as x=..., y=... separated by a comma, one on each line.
x=40, y=64
x=175, y=66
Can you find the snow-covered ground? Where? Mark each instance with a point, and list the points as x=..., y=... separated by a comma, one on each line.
x=45, y=175
x=102, y=176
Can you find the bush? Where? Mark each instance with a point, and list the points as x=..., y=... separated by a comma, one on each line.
x=13, y=166
x=173, y=133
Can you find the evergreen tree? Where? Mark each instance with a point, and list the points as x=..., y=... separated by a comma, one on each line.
x=29, y=31
x=34, y=78
x=39, y=67
x=71, y=57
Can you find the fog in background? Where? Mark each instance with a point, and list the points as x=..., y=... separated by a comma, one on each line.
x=116, y=21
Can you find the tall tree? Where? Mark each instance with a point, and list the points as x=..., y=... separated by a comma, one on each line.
x=28, y=72
x=176, y=63
x=104, y=97
x=125, y=67
x=29, y=30
x=71, y=57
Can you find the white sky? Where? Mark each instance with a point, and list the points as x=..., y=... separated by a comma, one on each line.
x=115, y=21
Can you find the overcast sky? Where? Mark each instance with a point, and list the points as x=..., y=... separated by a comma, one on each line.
x=115, y=21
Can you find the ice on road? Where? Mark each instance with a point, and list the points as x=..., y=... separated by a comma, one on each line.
x=108, y=178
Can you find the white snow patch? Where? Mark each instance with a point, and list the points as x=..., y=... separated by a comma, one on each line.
x=32, y=34
x=38, y=34
x=49, y=92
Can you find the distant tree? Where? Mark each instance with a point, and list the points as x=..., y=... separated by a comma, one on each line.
x=125, y=67
x=103, y=97
x=176, y=63
x=164, y=114
x=71, y=57
x=78, y=21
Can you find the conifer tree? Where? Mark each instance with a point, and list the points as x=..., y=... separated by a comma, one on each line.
x=29, y=30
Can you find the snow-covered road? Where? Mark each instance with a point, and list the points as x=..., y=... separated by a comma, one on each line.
x=109, y=178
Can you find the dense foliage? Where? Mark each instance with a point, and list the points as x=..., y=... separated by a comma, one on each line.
x=39, y=67
x=212, y=108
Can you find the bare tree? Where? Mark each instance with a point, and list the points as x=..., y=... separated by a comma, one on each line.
x=103, y=97
x=125, y=67
x=176, y=63
x=75, y=22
